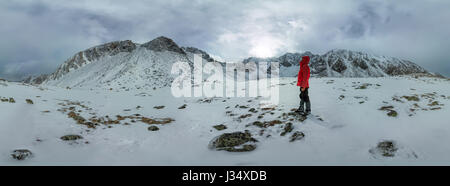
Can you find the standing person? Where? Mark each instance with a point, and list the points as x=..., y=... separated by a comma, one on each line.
x=303, y=83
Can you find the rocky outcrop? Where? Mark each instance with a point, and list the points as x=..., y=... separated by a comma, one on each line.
x=89, y=55
x=234, y=142
x=163, y=44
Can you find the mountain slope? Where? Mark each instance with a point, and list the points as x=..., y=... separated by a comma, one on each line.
x=121, y=64
x=127, y=65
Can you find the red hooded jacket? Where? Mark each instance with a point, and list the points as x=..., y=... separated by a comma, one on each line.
x=304, y=73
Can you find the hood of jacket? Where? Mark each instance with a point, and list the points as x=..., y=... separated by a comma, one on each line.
x=304, y=61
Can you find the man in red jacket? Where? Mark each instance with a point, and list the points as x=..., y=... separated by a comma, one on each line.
x=303, y=83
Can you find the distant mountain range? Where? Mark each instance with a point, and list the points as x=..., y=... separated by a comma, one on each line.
x=125, y=65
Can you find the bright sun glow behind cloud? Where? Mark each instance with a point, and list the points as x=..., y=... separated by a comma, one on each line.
x=264, y=47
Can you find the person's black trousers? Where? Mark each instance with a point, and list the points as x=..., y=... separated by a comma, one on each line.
x=304, y=100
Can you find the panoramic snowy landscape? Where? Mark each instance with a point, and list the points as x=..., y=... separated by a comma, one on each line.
x=392, y=120
x=113, y=105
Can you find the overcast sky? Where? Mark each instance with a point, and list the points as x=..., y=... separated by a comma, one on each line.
x=38, y=35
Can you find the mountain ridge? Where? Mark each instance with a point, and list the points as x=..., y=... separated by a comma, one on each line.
x=334, y=63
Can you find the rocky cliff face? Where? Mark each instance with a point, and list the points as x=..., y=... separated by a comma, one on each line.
x=163, y=44
x=93, y=54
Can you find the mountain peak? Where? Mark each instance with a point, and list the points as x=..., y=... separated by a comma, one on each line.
x=162, y=43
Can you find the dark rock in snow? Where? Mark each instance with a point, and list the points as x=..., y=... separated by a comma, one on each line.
x=287, y=128
x=234, y=142
x=385, y=148
x=220, y=127
x=71, y=137
x=183, y=106
x=390, y=109
x=29, y=101
x=392, y=113
x=153, y=128
x=297, y=136
x=21, y=154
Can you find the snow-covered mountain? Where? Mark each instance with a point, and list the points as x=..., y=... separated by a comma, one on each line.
x=120, y=64
x=344, y=63
x=128, y=65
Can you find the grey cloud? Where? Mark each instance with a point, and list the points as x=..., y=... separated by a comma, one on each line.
x=42, y=34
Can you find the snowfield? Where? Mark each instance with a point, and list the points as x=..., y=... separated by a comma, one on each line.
x=353, y=120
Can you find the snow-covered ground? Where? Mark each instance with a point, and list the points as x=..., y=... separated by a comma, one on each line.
x=349, y=107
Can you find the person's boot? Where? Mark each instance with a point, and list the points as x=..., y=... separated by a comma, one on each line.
x=301, y=109
x=308, y=108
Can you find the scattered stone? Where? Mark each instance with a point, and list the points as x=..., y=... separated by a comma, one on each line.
x=71, y=137
x=21, y=154
x=90, y=125
x=153, y=128
x=253, y=110
x=76, y=117
x=363, y=86
x=385, y=148
x=386, y=108
x=395, y=98
x=411, y=98
x=245, y=116
x=434, y=103
x=268, y=109
x=234, y=142
x=287, y=129
x=159, y=107
x=183, y=106
x=392, y=113
x=205, y=100
x=220, y=127
x=341, y=97
x=266, y=123
x=159, y=121
x=274, y=122
x=297, y=136
x=258, y=123
x=29, y=101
